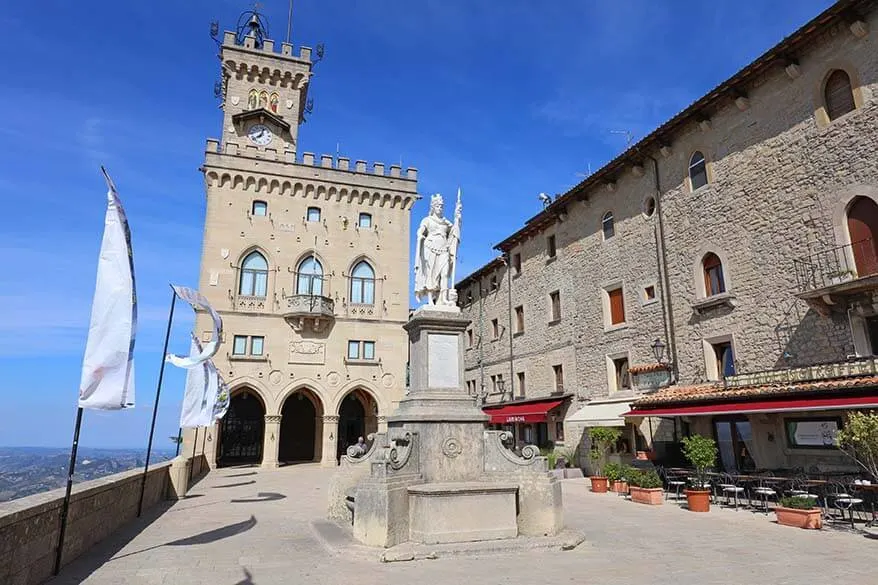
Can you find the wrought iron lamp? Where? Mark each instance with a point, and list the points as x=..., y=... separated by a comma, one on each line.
x=658, y=350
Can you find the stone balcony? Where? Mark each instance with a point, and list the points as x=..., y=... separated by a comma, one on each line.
x=838, y=278
x=303, y=310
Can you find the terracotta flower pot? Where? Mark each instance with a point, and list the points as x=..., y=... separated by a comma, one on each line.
x=698, y=500
x=811, y=519
x=598, y=484
x=651, y=496
x=620, y=486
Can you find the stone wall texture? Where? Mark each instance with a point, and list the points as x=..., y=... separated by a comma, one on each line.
x=29, y=527
x=781, y=176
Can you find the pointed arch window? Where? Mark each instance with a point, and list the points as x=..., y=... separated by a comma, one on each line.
x=252, y=99
x=697, y=170
x=254, y=275
x=714, y=283
x=838, y=95
x=309, y=277
x=273, y=102
x=263, y=99
x=608, y=226
x=363, y=284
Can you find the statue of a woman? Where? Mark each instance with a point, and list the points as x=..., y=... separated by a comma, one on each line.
x=435, y=255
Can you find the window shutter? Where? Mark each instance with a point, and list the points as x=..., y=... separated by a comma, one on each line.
x=838, y=94
x=617, y=307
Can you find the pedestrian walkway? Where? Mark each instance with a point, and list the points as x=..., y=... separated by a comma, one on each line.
x=254, y=527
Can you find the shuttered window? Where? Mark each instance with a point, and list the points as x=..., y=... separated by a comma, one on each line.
x=714, y=283
x=617, y=306
x=838, y=94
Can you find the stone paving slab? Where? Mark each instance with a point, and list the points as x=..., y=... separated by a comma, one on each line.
x=231, y=535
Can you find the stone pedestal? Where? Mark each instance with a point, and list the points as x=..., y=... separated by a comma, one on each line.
x=462, y=512
x=271, y=440
x=330, y=441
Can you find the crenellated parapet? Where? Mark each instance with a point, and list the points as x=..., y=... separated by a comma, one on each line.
x=264, y=64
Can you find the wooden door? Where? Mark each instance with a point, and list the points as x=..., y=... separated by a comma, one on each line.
x=863, y=229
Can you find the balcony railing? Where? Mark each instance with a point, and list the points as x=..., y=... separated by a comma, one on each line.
x=303, y=308
x=836, y=266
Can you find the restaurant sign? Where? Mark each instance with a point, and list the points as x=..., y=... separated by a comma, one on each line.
x=645, y=381
x=515, y=418
x=806, y=374
x=812, y=433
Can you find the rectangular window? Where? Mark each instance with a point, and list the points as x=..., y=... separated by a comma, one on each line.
x=313, y=214
x=495, y=328
x=617, y=306
x=559, y=378
x=623, y=378
x=725, y=359
x=256, y=345
x=812, y=433
x=365, y=220
x=559, y=433
x=494, y=284
x=361, y=350
x=519, y=319
x=239, y=347
x=260, y=208
x=469, y=337
x=368, y=350
x=521, y=386
x=649, y=293
x=551, y=250
x=516, y=264
x=353, y=350
x=555, y=300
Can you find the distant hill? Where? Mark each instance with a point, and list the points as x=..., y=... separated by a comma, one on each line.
x=31, y=470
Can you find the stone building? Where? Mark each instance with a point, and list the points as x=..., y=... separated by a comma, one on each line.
x=708, y=267
x=306, y=259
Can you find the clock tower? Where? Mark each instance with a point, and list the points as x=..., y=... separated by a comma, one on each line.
x=306, y=258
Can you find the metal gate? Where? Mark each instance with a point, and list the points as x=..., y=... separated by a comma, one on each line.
x=241, y=431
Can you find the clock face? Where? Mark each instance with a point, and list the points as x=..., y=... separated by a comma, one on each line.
x=259, y=134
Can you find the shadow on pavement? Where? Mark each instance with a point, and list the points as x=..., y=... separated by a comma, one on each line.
x=241, y=474
x=248, y=578
x=260, y=497
x=228, y=485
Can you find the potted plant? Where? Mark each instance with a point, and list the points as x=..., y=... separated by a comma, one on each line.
x=799, y=512
x=568, y=455
x=613, y=471
x=602, y=440
x=701, y=452
x=841, y=276
x=645, y=487
x=859, y=440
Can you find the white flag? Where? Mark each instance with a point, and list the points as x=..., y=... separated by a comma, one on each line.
x=107, y=381
x=198, y=302
x=195, y=395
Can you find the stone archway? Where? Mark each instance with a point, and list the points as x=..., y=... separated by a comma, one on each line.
x=300, y=428
x=357, y=417
x=242, y=430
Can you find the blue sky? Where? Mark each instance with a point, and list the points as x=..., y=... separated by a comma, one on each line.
x=505, y=99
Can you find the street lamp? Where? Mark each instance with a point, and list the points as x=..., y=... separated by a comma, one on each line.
x=658, y=350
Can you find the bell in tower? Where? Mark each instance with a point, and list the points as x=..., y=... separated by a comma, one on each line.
x=252, y=24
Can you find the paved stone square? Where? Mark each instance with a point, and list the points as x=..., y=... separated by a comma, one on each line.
x=254, y=526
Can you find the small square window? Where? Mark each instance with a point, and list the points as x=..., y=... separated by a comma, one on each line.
x=555, y=300
x=256, y=345
x=725, y=359
x=353, y=350
x=365, y=220
x=495, y=328
x=239, y=347
x=313, y=214
x=551, y=249
x=623, y=378
x=368, y=350
x=260, y=208
x=649, y=293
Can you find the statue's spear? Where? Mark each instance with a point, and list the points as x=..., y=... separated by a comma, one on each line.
x=456, y=234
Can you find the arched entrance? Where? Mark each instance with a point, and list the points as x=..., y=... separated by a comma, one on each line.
x=357, y=417
x=242, y=430
x=299, y=429
x=863, y=230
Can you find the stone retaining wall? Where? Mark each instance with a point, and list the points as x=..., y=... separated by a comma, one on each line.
x=29, y=526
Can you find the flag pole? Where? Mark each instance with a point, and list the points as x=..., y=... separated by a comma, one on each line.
x=66, y=506
x=179, y=441
x=194, y=444
x=155, y=408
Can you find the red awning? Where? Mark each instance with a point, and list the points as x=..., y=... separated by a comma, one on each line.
x=797, y=405
x=522, y=413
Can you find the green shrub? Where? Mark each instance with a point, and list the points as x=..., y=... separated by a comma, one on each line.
x=602, y=440
x=569, y=456
x=701, y=452
x=628, y=472
x=613, y=471
x=551, y=456
x=797, y=502
x=646, y=478
x=858, y=438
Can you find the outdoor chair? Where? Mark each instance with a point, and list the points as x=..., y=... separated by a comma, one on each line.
x=840, y=497
x=731, y=489
x=672, y=483
x=765, y=490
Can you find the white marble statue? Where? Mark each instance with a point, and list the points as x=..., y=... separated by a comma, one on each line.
x=436, y=256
